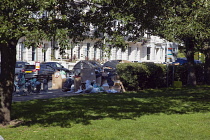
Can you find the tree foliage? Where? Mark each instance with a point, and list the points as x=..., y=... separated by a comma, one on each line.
x=35, y=20
x=182, y=21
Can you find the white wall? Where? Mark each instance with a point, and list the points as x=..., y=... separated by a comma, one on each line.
x=138, y=51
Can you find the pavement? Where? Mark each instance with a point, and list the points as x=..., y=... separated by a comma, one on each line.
x=51, y=93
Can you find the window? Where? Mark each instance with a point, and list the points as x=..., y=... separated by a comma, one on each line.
x=44, y=52
x=59, y=65
x=29, y=66
x=33, y=53
x=148, y=53
x=129, y=51
x=23, y=51
x=50, y=68
x=88, y=48
x=78, y=55
x=148, y=36
x=101, y=53
x=95, y=51
x=19, y=65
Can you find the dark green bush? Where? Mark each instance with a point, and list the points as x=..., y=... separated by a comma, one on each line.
x=156, y=74
x=180, y=73
x=199, y=71
x=136, y=76
x=130, y=74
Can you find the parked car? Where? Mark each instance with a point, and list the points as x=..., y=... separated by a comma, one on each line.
x=19, y=66
x=31, y=72
x=46, y=70
x=58, y=66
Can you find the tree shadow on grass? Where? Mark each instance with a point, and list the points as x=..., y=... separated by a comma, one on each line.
x=84, y=108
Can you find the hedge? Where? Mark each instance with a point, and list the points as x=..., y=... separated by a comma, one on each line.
x=181, y=73
x=136, y=76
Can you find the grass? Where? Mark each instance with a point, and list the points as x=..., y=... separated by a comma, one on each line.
x=160, y=114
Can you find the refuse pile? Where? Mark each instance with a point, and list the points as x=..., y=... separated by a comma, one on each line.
x=92, y=77
x=110, y=66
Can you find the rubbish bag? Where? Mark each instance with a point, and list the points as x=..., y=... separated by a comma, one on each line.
x=67, y=84
x=88, y=86
x=63, y=74
x=95, y=90
x=38, y=86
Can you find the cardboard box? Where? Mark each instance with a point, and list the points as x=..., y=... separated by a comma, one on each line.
x=57, y=81
x=77, y=83
x=117, y=82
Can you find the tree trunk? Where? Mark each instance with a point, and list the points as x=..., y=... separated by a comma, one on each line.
x=8, y=60
x=207, y=67
x=190, y=45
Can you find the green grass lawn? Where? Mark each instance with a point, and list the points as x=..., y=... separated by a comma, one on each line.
x=161, y=114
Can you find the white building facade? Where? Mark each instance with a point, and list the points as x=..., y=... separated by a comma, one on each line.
x=33, y=54
x=155, y=50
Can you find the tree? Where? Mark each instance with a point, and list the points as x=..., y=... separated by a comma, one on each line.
x=133, y=18
x=205, y=49
x=15, y=24
x=36, y=20
x=182, y=21
x=187, y=22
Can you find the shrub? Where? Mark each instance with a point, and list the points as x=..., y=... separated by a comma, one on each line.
x=181, y=73
x=130, y=74
x=136, y=76
x=155, y=75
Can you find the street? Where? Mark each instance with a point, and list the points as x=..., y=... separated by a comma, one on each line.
x=51, y=93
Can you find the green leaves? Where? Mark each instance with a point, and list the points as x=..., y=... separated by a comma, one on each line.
x=185, y=19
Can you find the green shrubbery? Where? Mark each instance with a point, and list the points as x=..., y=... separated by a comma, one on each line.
x=137, y=76
x=181, y=73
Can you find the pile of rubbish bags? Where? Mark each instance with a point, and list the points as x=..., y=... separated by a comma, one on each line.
x=94, y=88
x=91, y=77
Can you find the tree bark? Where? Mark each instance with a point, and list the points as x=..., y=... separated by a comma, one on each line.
x=8, y=60
x=207, y=67
x=190, y=45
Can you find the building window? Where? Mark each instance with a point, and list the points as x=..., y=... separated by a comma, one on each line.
x=148, y=53
x=137, y=50
x=79, y=52
x=44, y=52
x=88, y=48
x=101, y=53
x=33, y=53
x=129, y=51
x=95, y=53
x=117, y=55
x=148, y=36
x=23, y=51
